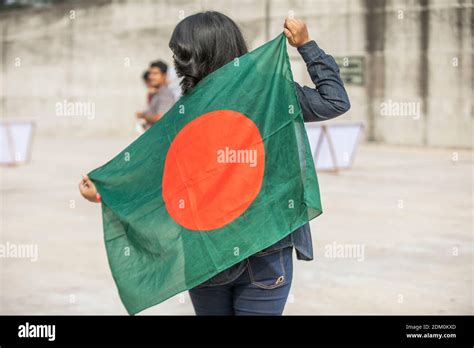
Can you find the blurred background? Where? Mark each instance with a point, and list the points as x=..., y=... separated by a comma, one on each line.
x=405, y=205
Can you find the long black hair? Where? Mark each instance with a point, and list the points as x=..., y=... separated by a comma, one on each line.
x=202, y=43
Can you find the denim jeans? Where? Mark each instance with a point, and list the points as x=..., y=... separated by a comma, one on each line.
x=258, y=286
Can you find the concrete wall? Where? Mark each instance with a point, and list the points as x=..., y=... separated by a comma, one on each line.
x=415, y=51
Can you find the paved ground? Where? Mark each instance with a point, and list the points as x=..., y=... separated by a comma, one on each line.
x=409, y=209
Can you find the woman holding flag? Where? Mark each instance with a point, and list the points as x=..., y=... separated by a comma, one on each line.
x=201, y=44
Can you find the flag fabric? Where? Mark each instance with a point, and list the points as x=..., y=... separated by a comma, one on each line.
x=225, y=173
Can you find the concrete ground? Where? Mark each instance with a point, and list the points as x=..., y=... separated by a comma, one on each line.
x=409, y=210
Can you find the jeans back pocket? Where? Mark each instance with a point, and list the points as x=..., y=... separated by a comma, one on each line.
x=272, y=269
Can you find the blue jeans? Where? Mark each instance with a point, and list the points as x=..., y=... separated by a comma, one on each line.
x=260, y=287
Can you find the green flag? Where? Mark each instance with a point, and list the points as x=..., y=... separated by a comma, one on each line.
x=224, y=174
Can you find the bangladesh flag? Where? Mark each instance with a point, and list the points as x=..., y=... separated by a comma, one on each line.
x=224, y=174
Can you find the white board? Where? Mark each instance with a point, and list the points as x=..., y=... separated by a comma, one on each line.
x=344, y=139
x=15, y=141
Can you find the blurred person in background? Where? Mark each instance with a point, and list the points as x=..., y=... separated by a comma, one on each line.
x=151, y=90
x=141, y=123
x=160, y=97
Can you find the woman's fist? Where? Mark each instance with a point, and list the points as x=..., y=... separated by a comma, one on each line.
x=296, y=32
x=88, y=190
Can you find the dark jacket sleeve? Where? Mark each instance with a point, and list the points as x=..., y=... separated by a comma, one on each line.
x=329, y=97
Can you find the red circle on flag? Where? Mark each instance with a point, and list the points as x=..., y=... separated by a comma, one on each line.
x=213, y=170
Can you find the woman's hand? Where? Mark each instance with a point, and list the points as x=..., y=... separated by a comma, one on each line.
x=88, y=190
x=296, y=32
